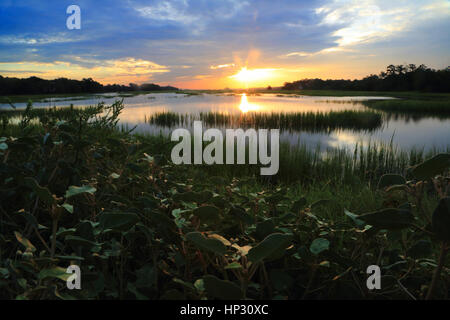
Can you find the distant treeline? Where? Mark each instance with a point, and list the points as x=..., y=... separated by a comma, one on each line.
x=35, y=85
x=395, y=78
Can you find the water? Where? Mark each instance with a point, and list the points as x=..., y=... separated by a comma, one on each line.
x=407, y=132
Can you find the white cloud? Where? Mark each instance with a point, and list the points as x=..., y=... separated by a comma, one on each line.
x=197, y=18
x=39, y=39
x=171, y=11
x=365, y=21
x=323, y=51
x=221, y=66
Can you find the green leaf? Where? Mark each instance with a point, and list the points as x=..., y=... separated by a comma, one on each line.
x=222, y=289
x=264, y=228
x=321, y=202
x=389, y=218
x=281, y=280
x=240, y=214
x=69, y=258
x=75, y=242
x=132, y=289
x=217, y=181
x=441, y=220
x=270, y=245
x=388, y=180
x=201, y=242
x=145, y=276
x=189, y=196
x=204, y=196
x=22, y=283
x=199, y=284
x=207, y=213
x=56, y=272
x=233, y=265
x=421, y=249
x=25, y=242
x=29, y=218
x=121, y=221
x=68, y=207
x=148, y=158
x=43, y=193
x=355, y=219
x=114, y=175
x=3, y=146
x=298, y=205
x=319, y=245
x=397, y=187
x=432, y=167
x=63, y=296
x=74, y=190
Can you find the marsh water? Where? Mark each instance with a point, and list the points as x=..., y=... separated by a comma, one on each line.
x=405, y=131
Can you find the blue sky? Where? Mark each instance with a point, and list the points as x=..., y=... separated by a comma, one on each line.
x=202, y=44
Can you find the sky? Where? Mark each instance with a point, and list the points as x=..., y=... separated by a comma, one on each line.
x=216, y=44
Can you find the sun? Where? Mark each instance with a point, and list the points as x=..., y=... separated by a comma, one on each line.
x=247, y=76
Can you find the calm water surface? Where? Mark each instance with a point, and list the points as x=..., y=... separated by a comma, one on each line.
x=406, y=131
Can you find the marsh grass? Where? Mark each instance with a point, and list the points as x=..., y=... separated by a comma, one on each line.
x=301, y=164
x=411, y=106
x=307, y=121
x=338, y=166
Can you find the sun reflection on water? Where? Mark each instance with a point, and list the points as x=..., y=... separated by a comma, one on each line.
x=245, y=106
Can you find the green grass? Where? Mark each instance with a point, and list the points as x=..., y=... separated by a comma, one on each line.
x=75, y=96
x=299, y=164
x=306, y=121
x=344, y=93
x=43, y=97
x=412, y=106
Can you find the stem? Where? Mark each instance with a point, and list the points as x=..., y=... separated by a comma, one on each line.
x=54, y=229
x=310, y=282
x=437, y=271
x=40, y=238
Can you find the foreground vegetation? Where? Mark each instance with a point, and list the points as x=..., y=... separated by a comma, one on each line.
x=76, y=190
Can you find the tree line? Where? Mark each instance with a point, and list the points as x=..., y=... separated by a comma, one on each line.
x=35, y=85
x=395, y=78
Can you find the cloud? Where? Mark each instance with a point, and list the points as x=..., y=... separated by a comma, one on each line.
x=39, y=39
x=171, y=11
x=323, y=51
x=185, y=38
x=196, y=15
x=363, y=21
x=221, y=66
x=127, y=69
x=20, y=71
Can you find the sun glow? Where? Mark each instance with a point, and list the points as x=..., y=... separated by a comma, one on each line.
x=245, y=106
x=246, y=76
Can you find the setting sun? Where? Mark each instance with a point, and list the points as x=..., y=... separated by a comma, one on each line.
x=248, y=76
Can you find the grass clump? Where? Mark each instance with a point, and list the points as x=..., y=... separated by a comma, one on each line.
x=298, y=121
x=412, y=106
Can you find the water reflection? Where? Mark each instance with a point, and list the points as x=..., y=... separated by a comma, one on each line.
x=245, y=106
x=408, y=130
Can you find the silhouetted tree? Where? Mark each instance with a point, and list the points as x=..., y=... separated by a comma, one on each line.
x=35, y=85
x=395, y=78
